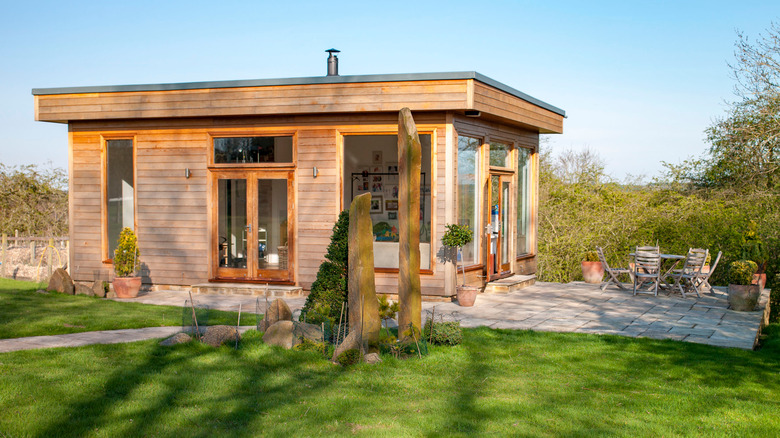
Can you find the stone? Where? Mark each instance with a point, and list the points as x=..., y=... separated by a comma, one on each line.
x=217, y=335
x=352, y=341
x=61, y=282
x=111, y=294
x=82, y=289
x=97, y=289
x=409, y=168
x=288, y=334
x=362, y=300
x=178, y=338
x=278, y=310
x=372, y=358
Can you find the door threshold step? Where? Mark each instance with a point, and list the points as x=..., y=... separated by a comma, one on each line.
x=510, y=284
x=260, y=290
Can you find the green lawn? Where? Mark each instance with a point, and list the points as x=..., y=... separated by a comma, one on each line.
x=499, y=382
x=25, y=312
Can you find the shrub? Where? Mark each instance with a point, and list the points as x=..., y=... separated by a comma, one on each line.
x=309, y=345
x=444, y=332
x=741, y=272
x=126, y=255
x=330, y=287
x=591, y=256
x=349, y=357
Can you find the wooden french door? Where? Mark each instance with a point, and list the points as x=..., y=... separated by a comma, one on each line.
x=252, y=222
x=497, y=233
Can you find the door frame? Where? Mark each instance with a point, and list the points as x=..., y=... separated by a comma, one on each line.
x=503, y=267
x=252, y=273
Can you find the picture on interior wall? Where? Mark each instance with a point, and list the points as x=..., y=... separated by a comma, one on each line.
x=392, y=216
x=376, y=205
x=376, y=158
x=376, y=187
x=391, y=205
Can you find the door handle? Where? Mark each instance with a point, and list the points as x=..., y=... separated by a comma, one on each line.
x=249, y=228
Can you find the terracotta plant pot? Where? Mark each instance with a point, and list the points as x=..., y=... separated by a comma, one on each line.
x=760, y=280
x=127, y=287
x=467, y=295
x=743, y=297
x=592, y=272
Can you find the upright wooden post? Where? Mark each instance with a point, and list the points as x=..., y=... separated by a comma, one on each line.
x=409, y=168
x=363, y=305
x=2, y=255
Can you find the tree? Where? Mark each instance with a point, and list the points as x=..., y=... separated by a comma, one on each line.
x=33, y=200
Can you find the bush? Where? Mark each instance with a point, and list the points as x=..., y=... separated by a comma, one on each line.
x=329, y=289
x=591, y=256
x=309, y=345
x=34, y=200
x=126, y=254
x=349, y=357
x=444, y=332
x=741, y=272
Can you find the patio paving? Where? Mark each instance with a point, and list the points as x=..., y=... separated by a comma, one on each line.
x=572, y=307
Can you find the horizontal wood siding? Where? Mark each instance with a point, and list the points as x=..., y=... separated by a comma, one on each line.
x=271, y=100
x=493, y=101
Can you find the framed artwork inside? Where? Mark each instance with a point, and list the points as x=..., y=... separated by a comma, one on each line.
x=376, y=205
x=391, y=205
x=376, y=158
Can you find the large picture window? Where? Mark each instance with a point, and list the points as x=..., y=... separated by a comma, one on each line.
x=468, y=193
x=371, y=166
x=120, y=190
x=523, y=201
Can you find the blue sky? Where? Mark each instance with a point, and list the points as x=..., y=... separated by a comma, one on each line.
x=639, y=80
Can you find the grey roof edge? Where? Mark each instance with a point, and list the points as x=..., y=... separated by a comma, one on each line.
x=302, y=81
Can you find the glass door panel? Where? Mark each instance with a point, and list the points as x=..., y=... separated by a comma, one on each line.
x=504, y=224
x=232, y=226
x=498, y=260
x=272, y=228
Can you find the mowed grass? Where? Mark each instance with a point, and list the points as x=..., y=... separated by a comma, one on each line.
x=498, y=382
x=25, y=312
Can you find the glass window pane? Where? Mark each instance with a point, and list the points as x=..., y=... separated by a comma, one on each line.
x=371, y=166
x=232, y=223
x=499, y=154
x=243, y=150
x=272, y=224
x=468, y=194
x=120, y=189
x=523, y=197
x=504, y=222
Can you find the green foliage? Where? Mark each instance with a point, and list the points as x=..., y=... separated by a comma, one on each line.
x=591, y=256
x=741, y=272
x=126, y=255
x=457, y=235
x=444, y=332
x=349, y=357
x=33, y=201
x=387, y=310
x=309, y=345
x=329, y=289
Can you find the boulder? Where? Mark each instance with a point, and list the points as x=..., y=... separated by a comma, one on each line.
x=372, y=358
x=83, y=289
x=217, y=335
x=277, y=311
x=97, y=289
x=352, y=341
x=61, y=282
x=178, y=338
x=288, y=334
x=111, y=294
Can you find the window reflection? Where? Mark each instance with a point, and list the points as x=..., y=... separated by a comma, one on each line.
x=253, y=150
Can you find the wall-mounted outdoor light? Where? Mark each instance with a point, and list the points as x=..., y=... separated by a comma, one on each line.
x=473, y=113
x=315, y=171
x=187, y=172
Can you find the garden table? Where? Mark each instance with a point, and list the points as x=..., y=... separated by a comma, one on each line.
x=668, y=271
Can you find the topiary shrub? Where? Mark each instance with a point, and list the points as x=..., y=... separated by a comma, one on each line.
x=349, y=357
x=329, y=289
x=444, y=332
x=126, y=255
x=741, y=272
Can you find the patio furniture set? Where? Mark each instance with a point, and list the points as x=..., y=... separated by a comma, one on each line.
x=654, y=269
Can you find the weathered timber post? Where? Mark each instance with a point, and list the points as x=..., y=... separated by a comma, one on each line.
x=409, y=168
x=50, y=255
x=2, y=256
x=32, y=252
x=363, y=304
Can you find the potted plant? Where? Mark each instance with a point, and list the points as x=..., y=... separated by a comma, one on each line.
x=126, y=262
x=455, y=237
x=754, y=249
x=743, y=294
x=592, y=269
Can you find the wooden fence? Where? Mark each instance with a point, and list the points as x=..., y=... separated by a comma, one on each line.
x=43, y=252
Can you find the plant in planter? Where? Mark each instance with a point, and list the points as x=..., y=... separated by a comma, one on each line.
x=753, y=248
x=592, y=269
x=743, y=294
x=126, y=263
x=455, y=237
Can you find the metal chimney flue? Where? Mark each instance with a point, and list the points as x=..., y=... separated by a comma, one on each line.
x=333, y=62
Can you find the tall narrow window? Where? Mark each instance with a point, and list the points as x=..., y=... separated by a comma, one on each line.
x=523, y=198
x=120, y=189
x=468, y=193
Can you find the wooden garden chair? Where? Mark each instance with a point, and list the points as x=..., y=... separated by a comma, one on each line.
x=691, y=270
x=703, y=279
x=612, y=272
x=647, y=268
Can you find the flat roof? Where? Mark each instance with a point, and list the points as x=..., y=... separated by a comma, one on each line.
x=304, y=81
